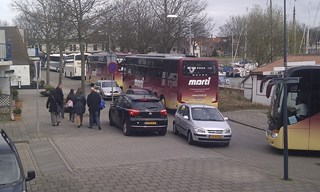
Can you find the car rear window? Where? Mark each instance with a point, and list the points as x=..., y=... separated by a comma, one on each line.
x=206, y=114
x=109, y=84
x=147, y=104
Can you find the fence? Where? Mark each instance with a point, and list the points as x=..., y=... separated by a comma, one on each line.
x=5, y=107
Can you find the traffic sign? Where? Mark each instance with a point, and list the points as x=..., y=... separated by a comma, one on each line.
x=112, y=67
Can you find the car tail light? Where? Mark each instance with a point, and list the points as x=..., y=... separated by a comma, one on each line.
x=164, y=112
x=133, y=112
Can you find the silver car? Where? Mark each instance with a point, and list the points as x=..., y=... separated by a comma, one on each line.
x=108, y=88
x=202, y=123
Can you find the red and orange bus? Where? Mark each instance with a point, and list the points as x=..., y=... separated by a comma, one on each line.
x=174, y=78
x=97, y=68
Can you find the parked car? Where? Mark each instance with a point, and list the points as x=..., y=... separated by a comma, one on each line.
x=138, y=113
x=12, y=177
x=139, y=91
x=202, y=123
x=223, y=80
x=108, y=88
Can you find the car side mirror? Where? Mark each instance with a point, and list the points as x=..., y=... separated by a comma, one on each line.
x=186, y=117
x=30, y=175
x=226, y=118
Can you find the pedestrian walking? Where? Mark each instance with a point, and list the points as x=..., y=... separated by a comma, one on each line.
x=93, y=101
x=69, y=104
x=52, y=104
x=60, y=96
x=79, y=106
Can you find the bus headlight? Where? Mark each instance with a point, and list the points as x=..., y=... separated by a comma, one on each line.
x=274, y=134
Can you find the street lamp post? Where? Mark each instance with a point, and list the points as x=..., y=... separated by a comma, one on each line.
x=8, y=75
x=190, y=44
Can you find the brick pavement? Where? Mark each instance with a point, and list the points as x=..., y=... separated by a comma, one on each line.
x=70, y=159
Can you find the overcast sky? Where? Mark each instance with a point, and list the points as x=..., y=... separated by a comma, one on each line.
x=221, y=11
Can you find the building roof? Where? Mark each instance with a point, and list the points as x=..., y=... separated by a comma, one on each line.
x=18, y=45
x=279, y=62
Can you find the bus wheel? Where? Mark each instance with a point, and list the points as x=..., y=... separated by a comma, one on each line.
x=190, y=139
x=125, y=129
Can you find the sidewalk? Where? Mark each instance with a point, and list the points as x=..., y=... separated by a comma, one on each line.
x=253, y=118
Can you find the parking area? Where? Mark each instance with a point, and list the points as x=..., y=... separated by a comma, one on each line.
x=67, y=158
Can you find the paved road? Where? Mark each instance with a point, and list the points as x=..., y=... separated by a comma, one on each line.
x=70, y=159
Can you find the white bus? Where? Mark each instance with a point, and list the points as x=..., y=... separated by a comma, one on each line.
x=73, y=65
x=55, y=62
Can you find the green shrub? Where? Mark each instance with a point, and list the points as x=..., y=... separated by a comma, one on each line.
x=48, y=88
x=15, y=93
x=17, y=111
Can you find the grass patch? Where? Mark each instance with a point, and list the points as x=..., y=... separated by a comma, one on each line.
x=234, y=100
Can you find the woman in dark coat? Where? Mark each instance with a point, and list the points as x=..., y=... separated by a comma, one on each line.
x=70, y=99
x=52, y=104
x=79, y=106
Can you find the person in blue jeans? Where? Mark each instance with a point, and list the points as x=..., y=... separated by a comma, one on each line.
x=93, y=101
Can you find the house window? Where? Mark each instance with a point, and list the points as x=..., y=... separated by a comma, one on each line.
x=95, y=47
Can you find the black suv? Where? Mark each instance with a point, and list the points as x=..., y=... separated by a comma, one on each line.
x=139, y=91
x=139, y=113
x=12, y=177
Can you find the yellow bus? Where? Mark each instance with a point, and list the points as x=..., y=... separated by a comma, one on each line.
x=303, y=109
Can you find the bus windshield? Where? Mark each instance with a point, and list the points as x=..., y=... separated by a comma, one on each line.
x=198, y=68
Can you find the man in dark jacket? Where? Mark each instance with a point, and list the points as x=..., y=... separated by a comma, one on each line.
x=60, y=96
x=93, y=101
x=52, y=104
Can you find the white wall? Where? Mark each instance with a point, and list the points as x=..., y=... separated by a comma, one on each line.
x=247, y=88
x=3, y=50
x=4, y=80
x=21, y=73
x=258, y=97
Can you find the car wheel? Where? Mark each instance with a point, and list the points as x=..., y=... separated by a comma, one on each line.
x=111, y=123
x=125, y=129
x=163, y=133
x=175, y=131
x=190, y=138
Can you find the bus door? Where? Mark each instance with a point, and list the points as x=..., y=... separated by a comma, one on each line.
x=298, y=123
x=314, y=141
x=314, y=138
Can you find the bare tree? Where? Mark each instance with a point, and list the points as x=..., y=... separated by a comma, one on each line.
x=4, y=23
x=171, y=29
x=82, y=13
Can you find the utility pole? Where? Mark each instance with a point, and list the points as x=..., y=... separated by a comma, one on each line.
x=294, y=30
x=190, y=43
x=271, y=33
x=165, y=26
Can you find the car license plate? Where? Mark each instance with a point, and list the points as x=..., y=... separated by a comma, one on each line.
x=150, y=123
x=215, y=136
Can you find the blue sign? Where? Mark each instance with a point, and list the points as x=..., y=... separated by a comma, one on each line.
x=112, y=67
